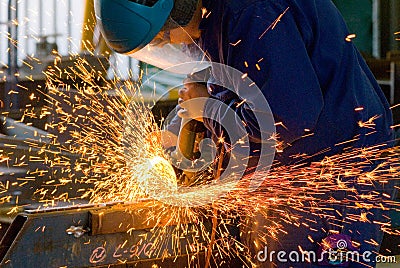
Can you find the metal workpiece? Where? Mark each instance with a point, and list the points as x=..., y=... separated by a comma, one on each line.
x=108, y=235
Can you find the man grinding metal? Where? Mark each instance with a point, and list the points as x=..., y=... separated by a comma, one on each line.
x=313, y=78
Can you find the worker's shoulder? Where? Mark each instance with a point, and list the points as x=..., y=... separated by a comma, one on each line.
x=237, y=6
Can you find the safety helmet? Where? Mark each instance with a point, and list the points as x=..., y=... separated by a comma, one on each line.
x=129, y=25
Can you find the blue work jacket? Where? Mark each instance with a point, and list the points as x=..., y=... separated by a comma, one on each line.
x=301, y=56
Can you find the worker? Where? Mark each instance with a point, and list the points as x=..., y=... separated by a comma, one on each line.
x=301, y=56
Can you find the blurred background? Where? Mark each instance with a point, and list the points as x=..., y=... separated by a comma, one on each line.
x=44, y=25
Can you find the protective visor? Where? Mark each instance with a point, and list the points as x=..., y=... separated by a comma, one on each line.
x=162, y=54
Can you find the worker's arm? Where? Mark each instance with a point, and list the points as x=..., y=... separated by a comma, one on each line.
x=274, y=55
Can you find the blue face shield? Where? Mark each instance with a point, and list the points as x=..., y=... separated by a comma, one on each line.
x=129, y=25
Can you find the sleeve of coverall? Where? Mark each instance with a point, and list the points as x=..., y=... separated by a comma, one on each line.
x=267, y=43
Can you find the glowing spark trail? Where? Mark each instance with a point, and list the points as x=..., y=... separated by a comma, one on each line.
x=102, y=146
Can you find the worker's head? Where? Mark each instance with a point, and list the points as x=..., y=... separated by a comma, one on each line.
x=129, y=25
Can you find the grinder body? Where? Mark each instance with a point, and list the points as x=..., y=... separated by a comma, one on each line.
x=191, y=133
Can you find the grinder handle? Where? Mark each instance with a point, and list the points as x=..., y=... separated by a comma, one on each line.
x=190, y=135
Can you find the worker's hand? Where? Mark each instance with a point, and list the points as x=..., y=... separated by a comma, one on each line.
x=192, y=99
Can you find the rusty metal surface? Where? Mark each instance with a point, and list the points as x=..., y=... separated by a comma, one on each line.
x=45, y=239
x=122, y=218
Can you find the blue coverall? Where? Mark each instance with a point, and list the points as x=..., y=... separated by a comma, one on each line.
x=313, y=79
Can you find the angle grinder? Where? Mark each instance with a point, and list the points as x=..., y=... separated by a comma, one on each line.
x=191, y=133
